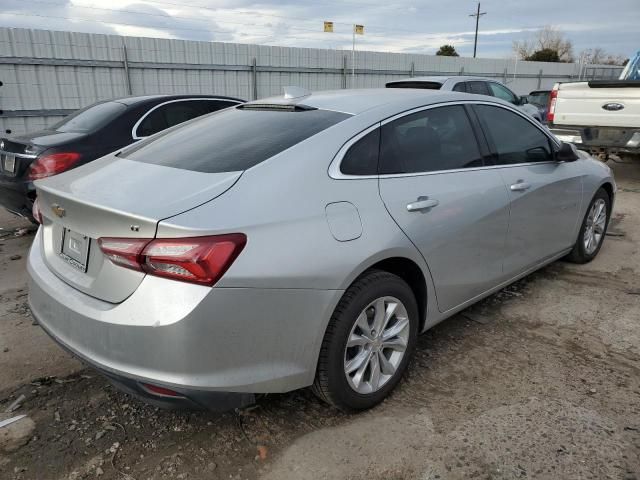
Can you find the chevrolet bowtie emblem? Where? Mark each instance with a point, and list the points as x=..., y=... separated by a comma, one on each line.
x=58, y=210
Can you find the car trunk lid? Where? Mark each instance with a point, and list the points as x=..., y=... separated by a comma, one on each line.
x=85, y=204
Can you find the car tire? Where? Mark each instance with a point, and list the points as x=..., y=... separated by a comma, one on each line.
x=582, y=252
x=355, y=319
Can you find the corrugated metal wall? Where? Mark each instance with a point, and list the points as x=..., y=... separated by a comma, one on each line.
x=47, y=74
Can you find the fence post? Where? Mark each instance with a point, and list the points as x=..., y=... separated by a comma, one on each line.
x=461, y=71
x=125, y=63
x=413, y=69
x=504, y=76
x=254, y=78
x=539, y=79
x=344, y=71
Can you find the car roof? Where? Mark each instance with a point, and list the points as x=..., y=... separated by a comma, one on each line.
x=443, y=78
x=141, y=99
x=357, y=101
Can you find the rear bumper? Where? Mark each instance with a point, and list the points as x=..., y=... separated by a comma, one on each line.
x=600, y=139
x=188, y=338
x=17, y=197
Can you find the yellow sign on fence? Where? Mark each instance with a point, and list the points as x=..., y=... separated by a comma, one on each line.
x=328, y=27
x=359, y=29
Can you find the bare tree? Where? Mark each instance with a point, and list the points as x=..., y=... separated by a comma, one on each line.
x=547, y=38
x=601, y=57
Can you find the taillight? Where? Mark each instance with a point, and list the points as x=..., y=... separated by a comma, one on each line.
x=551, y=108
x=52, y=164
x=35, y=211
x=200, y=260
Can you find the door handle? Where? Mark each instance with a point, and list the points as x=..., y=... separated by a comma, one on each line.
x=423, y=203
x=520, y=186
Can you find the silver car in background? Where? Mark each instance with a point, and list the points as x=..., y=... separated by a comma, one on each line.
x=303, y=241
x=471, y=84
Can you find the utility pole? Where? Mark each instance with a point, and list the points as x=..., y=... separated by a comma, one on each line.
x=478, y=14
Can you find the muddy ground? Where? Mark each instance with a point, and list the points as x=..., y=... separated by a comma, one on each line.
x=539, y=381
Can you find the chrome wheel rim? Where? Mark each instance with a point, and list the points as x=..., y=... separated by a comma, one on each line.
x=595, y=226
x=376, y=345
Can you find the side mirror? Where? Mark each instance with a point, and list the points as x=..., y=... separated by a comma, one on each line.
x=524, y=99
x=567, y=153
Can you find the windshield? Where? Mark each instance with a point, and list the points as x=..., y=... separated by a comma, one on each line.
x=632, y=70
x=232, y=140
x=91, y=118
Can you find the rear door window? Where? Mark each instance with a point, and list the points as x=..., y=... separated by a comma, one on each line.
x=233, y=140
x=479, y=88
x=431, y=140
x=168, y=115
x=515, y=140
x=460, y=87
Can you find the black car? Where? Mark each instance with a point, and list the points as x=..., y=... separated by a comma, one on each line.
x=88, y=134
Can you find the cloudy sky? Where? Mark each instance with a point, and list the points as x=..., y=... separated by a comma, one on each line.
x=395, y=26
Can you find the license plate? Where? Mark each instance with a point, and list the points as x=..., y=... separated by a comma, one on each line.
x=9, y=163
x=75, y=249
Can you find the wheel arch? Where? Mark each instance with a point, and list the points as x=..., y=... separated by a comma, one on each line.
x=410, y=271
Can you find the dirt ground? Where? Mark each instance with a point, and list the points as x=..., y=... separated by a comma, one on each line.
x=538, y=381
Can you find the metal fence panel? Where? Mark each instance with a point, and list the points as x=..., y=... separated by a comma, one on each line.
x=46, y=74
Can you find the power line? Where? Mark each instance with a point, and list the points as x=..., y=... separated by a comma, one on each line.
x=478, y=14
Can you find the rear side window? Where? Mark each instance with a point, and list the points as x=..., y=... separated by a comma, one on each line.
x=479, y=88
x=435, y=139
x=514, y=139
x=232, y=140
x=460, y=87
x=168, y=115
x=91, y=118
x=362, y=156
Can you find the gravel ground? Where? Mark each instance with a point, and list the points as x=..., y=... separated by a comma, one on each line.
x=538, y=381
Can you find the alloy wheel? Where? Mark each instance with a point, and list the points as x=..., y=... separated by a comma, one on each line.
x=376, y=345
x=595, y=226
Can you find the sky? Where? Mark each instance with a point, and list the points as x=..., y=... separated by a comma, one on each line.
x=390, y=26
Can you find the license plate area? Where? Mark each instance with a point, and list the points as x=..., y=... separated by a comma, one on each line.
x=9, y=163
x=75, y=249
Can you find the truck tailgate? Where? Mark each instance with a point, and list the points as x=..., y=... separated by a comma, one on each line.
x=580, y=105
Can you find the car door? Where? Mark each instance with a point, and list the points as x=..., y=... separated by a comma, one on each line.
x=545, y=194
x=434, y=184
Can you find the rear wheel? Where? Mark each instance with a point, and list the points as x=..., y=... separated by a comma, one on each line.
x=368, y=342
x=593, y=229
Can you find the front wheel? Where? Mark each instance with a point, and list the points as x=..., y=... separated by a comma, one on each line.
x=593, y=229
x=368, y=342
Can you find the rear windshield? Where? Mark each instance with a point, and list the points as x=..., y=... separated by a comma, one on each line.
x=414, y=84
x=233, y=140
x=91, y=118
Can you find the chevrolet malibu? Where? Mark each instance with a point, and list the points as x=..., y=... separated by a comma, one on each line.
x=303, y=240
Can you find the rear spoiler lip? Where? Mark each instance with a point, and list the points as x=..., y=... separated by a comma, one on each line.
x=614, y=83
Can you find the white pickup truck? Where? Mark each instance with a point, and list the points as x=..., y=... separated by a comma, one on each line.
x=599, y=116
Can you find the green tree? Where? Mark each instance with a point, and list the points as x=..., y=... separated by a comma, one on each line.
x=544, y=55
x=447, y=51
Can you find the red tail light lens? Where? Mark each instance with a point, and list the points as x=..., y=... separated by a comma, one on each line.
x=551, y=108
x=160, y=391
x=125, y=252
x=35, y=211
x=200, y=260
x=53, y=164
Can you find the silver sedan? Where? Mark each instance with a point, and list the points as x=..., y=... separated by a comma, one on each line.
x=303, y=240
